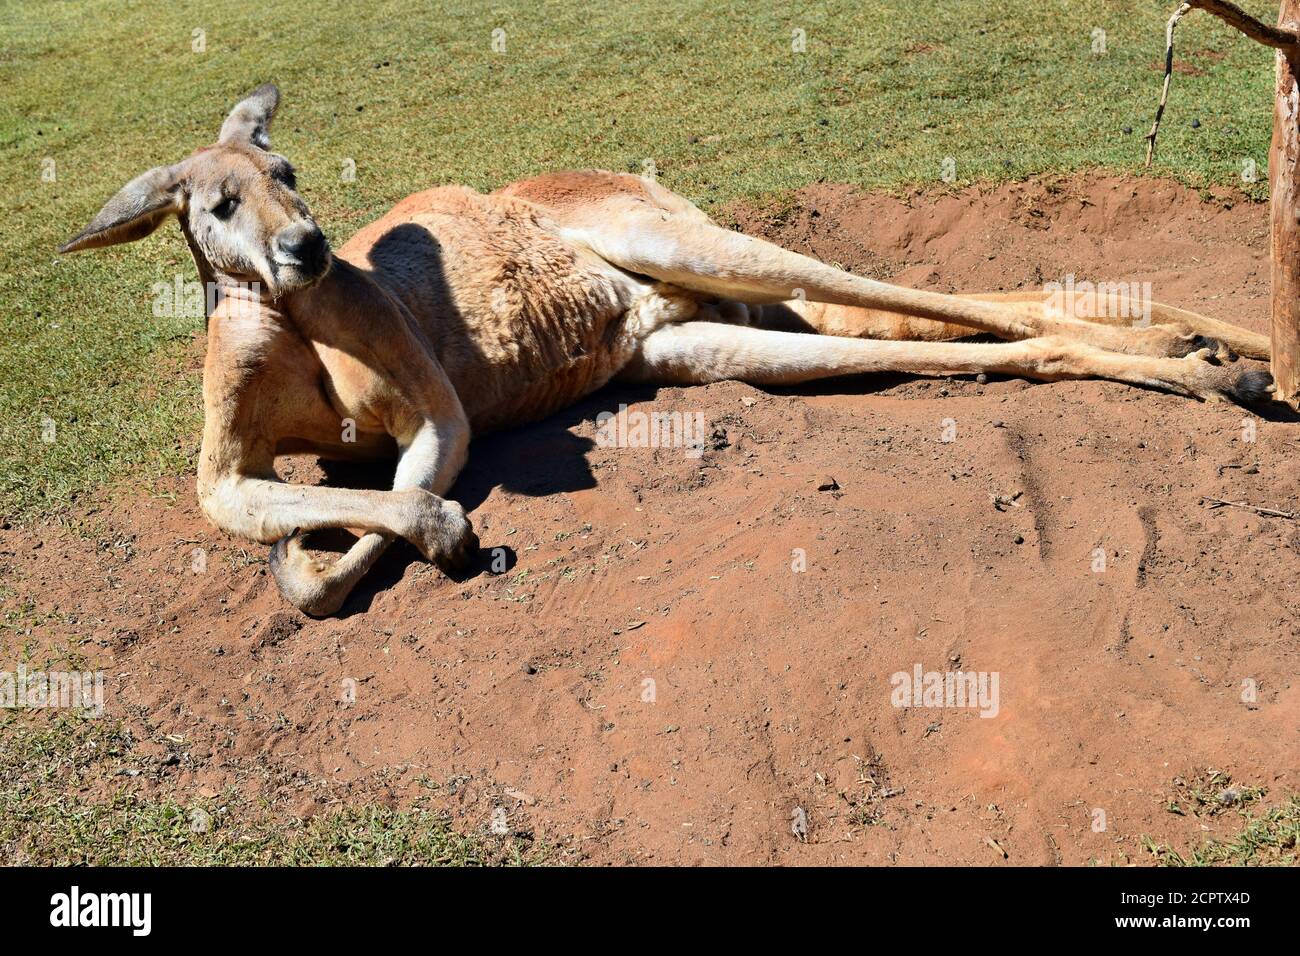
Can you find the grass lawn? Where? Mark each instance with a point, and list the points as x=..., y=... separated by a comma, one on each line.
x=712, y=94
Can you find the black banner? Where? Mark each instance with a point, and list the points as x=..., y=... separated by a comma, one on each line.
x=336, y=906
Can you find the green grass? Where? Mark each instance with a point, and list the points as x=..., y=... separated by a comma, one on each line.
x=710, y=92
x=44, y=819
x=1267, y=837
x=1270, y=838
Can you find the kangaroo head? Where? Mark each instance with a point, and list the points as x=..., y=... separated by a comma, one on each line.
x=236, y=202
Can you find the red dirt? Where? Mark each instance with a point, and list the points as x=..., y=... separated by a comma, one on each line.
x=772, y=688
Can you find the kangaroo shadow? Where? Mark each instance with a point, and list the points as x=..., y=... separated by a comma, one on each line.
x=545, y=457
x=1275, y=412
x=539, y=459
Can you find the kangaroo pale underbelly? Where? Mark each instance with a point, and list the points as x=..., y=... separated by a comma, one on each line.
x=524, y=318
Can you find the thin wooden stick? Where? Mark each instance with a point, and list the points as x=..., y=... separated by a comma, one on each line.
x=1169, y=75
x=1268, y=512
x=1232, y=15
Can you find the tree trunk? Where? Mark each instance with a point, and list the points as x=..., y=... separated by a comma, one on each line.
x=1284, y=192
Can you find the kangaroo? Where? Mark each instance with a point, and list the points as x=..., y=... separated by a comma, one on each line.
x=459, y=312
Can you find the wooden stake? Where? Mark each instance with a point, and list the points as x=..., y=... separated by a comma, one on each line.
x=1284, y=205
x=1283, y=173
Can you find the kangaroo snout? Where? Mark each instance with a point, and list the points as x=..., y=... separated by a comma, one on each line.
x=302, y=246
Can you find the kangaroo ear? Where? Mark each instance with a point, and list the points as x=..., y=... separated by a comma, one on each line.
x=137, y=210
x=250, y=120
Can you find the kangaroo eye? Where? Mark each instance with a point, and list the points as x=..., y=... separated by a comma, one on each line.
x=226, y=207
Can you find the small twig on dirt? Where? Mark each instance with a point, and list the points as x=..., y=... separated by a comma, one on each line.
x=996, y=846
x=1182, y=10
x=1268, y=512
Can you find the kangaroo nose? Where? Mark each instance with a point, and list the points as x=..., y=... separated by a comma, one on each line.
x=301, y=245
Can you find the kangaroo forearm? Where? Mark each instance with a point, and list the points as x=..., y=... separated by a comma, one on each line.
x=266, y=510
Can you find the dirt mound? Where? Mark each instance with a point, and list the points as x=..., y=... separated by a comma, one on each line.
x=692, y=658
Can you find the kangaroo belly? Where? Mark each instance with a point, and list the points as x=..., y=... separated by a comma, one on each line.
x=524, y=319
x=562, y=383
